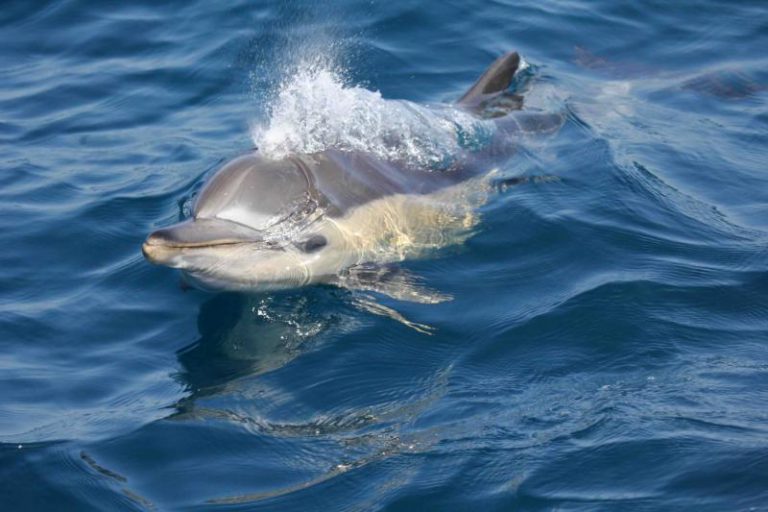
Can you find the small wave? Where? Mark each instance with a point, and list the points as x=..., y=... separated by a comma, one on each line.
x=315, y=108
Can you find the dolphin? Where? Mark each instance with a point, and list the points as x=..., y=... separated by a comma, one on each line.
x=340, y=217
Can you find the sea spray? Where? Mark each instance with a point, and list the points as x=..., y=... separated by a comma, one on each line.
x=316, y=108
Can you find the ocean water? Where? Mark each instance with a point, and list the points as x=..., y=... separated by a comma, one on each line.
x=607, y=345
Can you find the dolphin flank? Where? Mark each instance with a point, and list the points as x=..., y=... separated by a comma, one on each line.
x=341, y=217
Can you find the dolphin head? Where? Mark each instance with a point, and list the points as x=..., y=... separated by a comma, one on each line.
x=255, y=226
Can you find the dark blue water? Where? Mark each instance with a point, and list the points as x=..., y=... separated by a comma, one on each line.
x=607, y=347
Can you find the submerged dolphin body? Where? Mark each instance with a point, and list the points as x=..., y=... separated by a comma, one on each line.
x=339, y=217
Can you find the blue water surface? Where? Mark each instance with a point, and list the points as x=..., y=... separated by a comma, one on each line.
x=607, y=345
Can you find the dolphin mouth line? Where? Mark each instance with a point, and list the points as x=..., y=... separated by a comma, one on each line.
x=197, y=245
x=202, y=245
x=160, y=253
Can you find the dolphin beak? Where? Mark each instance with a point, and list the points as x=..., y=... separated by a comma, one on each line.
x=162, y=246
x=154, y=252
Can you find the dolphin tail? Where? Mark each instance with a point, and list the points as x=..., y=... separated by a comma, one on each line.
x=495, y=81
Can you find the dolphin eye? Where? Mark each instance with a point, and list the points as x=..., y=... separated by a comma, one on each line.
x=312, y=244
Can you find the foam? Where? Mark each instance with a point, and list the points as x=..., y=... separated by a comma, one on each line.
x=315, y=108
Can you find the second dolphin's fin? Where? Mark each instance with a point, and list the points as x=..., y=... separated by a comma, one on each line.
x=496, y=79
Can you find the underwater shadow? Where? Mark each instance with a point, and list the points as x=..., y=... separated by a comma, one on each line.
x=249, y=335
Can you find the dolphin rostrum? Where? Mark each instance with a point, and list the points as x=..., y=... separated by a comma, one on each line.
x=341, y=217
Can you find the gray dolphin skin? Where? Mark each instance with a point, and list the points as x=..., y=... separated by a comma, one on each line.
x=340, y=217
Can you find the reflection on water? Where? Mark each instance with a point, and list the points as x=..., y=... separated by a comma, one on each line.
x=242, y=335
x=244, y=340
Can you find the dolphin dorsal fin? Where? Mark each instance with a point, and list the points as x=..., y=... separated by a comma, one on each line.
x=497, y=78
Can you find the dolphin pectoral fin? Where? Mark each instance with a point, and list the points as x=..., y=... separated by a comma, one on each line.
x=503, y=184
x=369, y=305
x=393, y=282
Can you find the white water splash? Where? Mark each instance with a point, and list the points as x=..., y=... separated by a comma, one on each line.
x=315, y=109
